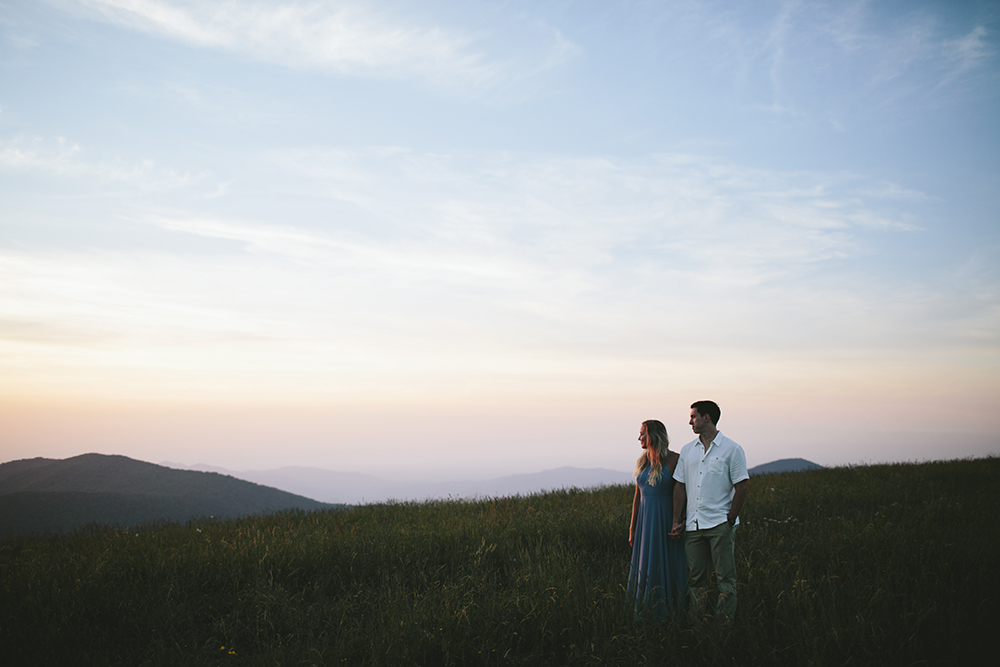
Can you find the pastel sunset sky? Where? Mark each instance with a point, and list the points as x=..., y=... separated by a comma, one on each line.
x=488, y=237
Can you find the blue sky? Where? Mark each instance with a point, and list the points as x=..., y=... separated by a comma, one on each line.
x=495, y=236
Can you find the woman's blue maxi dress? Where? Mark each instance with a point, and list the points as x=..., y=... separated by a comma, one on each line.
x=658, y=578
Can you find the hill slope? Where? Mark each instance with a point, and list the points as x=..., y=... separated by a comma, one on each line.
x=53, y=495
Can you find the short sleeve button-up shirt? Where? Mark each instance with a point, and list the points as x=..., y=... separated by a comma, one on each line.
x=708, y=477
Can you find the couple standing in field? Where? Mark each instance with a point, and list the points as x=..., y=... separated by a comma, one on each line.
x=684, y=516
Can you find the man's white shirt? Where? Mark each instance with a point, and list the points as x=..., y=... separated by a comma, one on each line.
x=708, y=477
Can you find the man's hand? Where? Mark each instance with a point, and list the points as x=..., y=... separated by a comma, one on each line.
x=678, y=530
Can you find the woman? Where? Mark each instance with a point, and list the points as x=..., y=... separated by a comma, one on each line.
x=658, y=578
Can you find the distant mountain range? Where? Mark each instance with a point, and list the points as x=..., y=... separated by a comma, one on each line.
x=784, y=465
x=51, y=495
x=357, y=488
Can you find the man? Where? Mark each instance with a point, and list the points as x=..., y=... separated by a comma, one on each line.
x=711, y=485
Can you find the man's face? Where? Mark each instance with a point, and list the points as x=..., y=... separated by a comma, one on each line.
x=698, y=422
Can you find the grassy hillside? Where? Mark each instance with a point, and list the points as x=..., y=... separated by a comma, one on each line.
x=52, y=495
x=47, y=512
x=881, y=565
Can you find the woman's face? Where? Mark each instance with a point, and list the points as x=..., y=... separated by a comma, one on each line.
x=643, y=437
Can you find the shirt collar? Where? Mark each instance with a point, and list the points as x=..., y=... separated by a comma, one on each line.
x=715, y=443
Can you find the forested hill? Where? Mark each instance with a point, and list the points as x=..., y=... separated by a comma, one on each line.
x=55, y=495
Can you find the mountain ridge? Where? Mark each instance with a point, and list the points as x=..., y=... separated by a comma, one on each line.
x=57, y=495
x=358, y=488
x=784, y=465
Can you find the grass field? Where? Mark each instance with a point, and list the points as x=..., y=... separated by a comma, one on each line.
x=877, y=565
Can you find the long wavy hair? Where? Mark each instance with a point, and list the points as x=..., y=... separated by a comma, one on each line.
x=655, y=454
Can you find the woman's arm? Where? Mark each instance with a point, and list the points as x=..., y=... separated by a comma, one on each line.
x=635, y=513
x=672, y=459
x=680, y=506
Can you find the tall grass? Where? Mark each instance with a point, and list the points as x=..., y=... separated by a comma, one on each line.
x=849, y=566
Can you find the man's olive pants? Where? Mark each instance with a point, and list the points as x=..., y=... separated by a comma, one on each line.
x=712, y=548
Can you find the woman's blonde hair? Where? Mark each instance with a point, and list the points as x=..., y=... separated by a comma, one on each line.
x=659, y=446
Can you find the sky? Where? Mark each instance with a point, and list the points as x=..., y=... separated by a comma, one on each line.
x=429, y=239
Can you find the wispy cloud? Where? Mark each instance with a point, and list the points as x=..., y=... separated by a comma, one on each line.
x=795, y=59
x=345, y=38
x=912, y=60
x=61, y=157
x=968, y=52
x=414, y=274
x=605, y=203
x=583, y=226
x=547, y=241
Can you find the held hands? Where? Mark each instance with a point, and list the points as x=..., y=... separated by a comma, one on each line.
x=678, y=530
